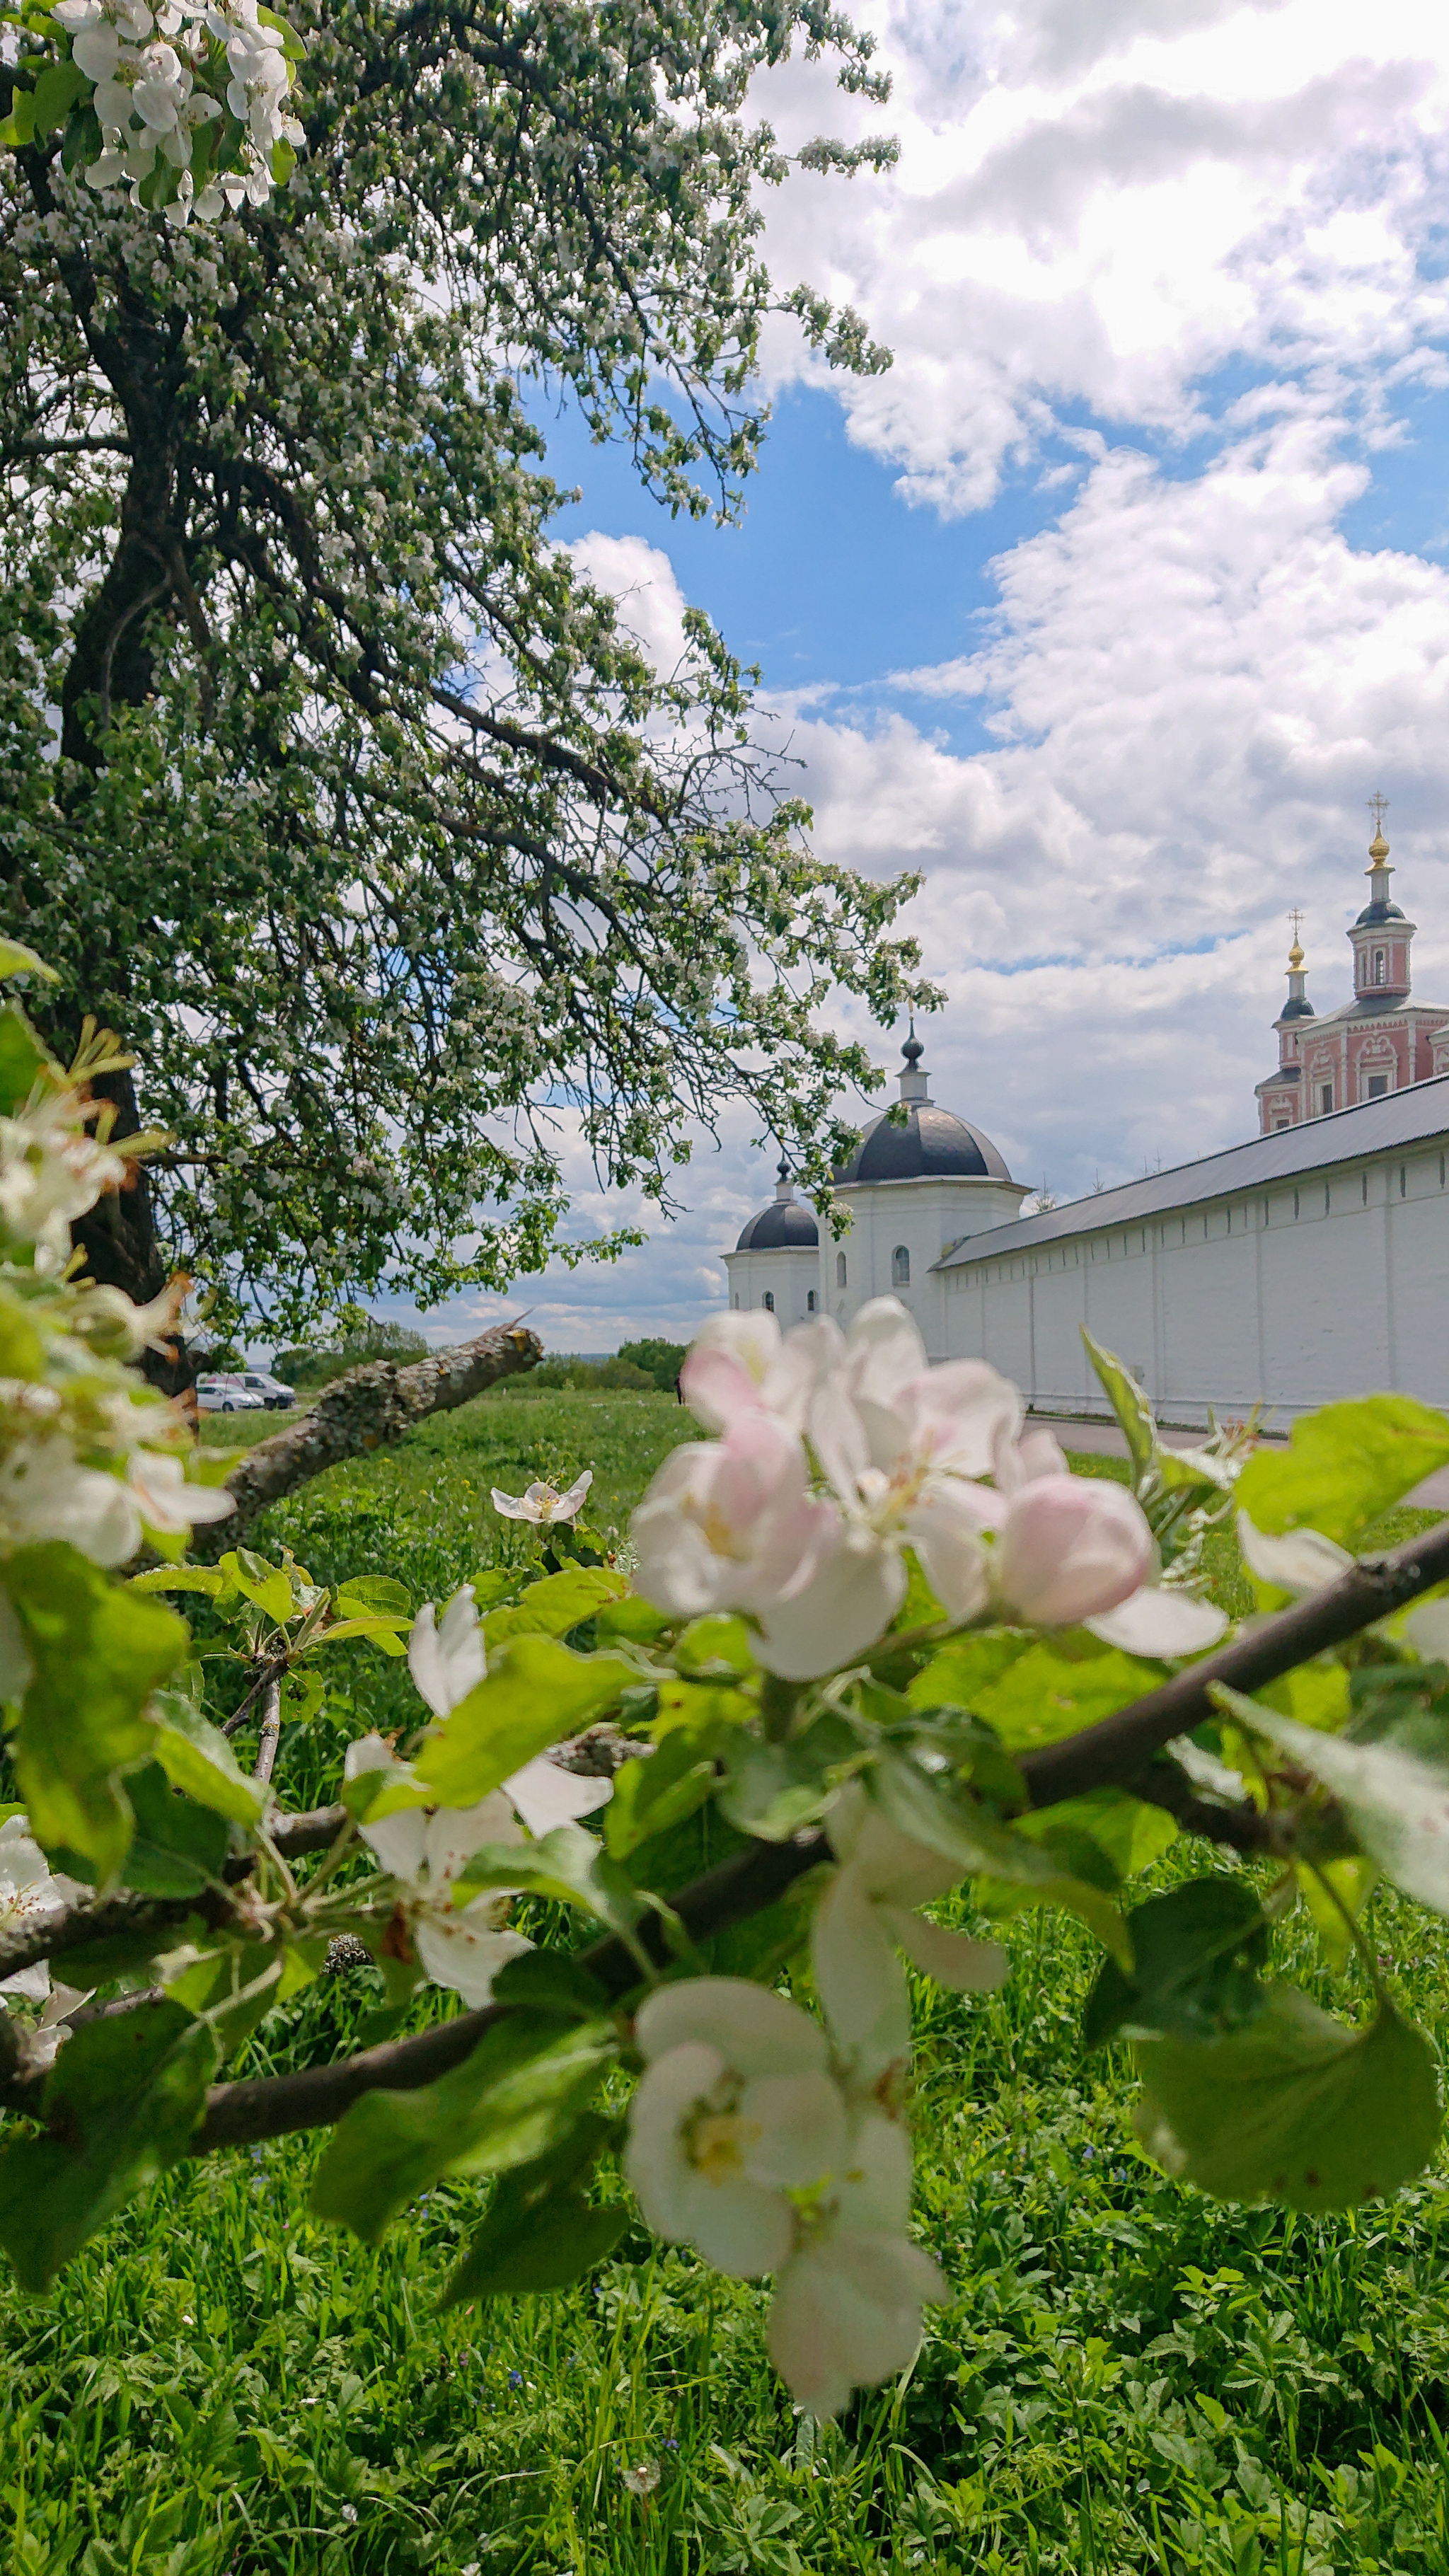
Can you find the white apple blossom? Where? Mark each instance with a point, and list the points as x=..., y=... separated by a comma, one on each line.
x=847, y=2307
x=1296, y=1561
x=29, y=1891
x=742, y=1363
x=151, y=95
x=541, y=1504
x=730, y=1524
x=425, y=1850
x=868, y=1914
x=736, y=2109
x=1079, y=1550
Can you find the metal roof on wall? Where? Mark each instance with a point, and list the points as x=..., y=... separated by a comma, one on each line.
x=1408, y=1117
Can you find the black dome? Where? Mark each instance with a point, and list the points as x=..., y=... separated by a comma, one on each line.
x=782, y=1225
x=1300, y=1010
x=930, y=1144
x=1376, y=912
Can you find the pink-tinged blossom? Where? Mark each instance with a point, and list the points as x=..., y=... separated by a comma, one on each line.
x=1079, y=1550
x=730, y=1524
x=742, y=1363
x=903, y=1444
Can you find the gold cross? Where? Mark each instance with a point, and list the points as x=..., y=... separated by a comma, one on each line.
x=1297, y=920
x=1378, y=806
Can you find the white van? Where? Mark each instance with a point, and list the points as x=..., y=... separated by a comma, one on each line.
x=225, y=1394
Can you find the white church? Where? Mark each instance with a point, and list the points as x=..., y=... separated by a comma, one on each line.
x=1308, y=1264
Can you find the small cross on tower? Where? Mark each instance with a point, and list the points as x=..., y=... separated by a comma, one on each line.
x=1378, y=806
x=1296, y=918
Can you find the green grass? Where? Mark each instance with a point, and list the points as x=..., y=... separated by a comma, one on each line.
x=1129, y=2377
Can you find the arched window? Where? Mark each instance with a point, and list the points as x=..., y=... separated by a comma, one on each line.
x=810, y=1301
x=1378, y=965
x=734, y=1301
x=900, y=1267
x=840, y=1270
x=768, y=1301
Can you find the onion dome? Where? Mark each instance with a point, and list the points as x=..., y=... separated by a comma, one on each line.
x=929, y=1144
x=783, y=1226
x=1378, y=908
x=1297, y=1006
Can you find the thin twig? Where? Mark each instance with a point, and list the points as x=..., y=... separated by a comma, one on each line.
x=269, y=1674
x=271, y=1733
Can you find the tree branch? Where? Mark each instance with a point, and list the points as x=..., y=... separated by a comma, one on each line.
x=363, y=1411
x=1109, y=1753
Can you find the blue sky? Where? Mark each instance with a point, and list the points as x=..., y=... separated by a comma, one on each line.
x=1112, y=602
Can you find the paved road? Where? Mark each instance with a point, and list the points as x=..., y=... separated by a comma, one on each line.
x=1103, y=1439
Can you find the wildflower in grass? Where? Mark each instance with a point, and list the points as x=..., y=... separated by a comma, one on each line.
x=642, y=2479
x=736, y=2110
x=542, y=1504
x=867, y=1916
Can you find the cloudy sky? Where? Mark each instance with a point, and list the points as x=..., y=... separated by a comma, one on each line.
x=1113, y=601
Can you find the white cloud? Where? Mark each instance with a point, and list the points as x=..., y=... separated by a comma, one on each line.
x=1100, y=206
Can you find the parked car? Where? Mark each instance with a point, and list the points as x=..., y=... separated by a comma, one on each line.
x=216, y=1394
x=276, y=1395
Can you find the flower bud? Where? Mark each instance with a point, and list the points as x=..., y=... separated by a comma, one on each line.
x=1071, y=1547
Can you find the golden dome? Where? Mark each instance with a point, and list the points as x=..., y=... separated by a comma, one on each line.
x=1378, y=847
x=1295, y=958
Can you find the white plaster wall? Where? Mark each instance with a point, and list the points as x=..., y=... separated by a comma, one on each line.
x=927, y=1217
x=1333, y=1286
x=788, y=1274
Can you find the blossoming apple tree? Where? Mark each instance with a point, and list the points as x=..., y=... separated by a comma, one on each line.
x=881, y=1673
x=393, y=859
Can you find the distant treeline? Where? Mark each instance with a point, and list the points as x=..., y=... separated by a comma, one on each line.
x=641, y=1367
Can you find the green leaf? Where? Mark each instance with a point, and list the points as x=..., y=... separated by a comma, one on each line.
x=56, y=92
x=1397, y=1804
x=99, y=1650
x=933, y=1811
x=959, y=1672
x=378, y=1632
x=182, y=1578
x=1197, y=1954
x=550, y=1981
x=292, y=44
x=568, y=1866
x=19, y=126
x=771, y=1790
x=1061, y=1685
x=1130, y=1833
x=1295, y=2107
x=17, y=959
x=535, y=1693
x=197, y=1757
x=520, y=2091
x=177, y=1848
x=375, y=1593
x=716, y=1648
x=560, y=1602
x=266, y=1586
x=540, y=2232
x=84, y=141
x=631, y=1620
x=657, y=1789
x=1344, y=1466
x=23, y=1059
x=1128, y=1402
x=121, y=2103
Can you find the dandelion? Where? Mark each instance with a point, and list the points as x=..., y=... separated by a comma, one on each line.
x=642, y=2479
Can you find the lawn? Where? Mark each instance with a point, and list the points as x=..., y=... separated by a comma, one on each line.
x=1129, y=2377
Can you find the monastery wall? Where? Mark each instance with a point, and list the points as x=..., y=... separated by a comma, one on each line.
x=1292, y=1296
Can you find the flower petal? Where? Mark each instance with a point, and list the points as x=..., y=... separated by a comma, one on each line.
x=803, y=2132
x=855, y=1588
x=446, y=1657
x=859, y=1979
x=464, y=1950
x=1300, y=1560
x=952, y=1958
x=656, y=2167
x=753, y=2030
x=739, y=2226
x=545, y=1795
x=1157, y=1622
